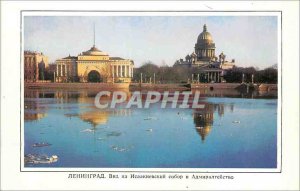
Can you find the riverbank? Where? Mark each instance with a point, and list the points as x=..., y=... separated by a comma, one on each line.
x=204, y=86
x=159, y=87
x=215, y=85
x=76, y=86
x=148, y=86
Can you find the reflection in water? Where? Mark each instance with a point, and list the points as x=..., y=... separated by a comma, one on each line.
x=95, y=117
x=203, y=120
x=99, y=117
x=235, y=93
x=151, y=137
x=34, y=110
x=34, y=116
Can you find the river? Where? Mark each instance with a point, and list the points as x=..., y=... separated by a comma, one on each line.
x=232, y=131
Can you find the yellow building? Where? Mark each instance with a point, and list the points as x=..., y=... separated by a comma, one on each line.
x=94, y=65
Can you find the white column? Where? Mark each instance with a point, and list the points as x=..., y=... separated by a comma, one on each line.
x=61, y=70
x=113, y=71
x=128, y=71
x=125, y=68
x=117, y=70
x=56, y=70
x=122, y=71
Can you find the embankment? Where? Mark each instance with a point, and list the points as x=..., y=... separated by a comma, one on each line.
x=155, y=87
x=77, y=85
x=158, y=87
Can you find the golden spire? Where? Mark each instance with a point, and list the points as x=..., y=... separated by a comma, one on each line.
x=94, y=35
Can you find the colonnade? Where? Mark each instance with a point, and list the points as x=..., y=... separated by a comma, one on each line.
x=209, y=76
x=213, y=76
x=62, y=70
x=206, y=53
x=125, y=71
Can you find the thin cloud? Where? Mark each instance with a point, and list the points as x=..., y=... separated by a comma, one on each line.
x=251, y=40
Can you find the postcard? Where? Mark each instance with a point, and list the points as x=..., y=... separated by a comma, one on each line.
x=127, y=98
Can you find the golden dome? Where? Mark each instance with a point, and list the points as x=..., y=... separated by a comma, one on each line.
x=95, y=117
x=95, y=52
x=203, y=131
x=204, y=36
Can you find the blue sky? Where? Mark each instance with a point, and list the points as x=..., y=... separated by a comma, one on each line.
x=250, y=40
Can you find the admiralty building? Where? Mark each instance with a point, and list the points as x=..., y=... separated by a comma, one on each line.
x=93, y=65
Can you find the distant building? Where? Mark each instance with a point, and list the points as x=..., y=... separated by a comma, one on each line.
x=66, y=69
x=211, y=68
x=93, y=65
x=35, y=66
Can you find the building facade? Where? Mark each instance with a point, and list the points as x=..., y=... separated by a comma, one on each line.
x=205, y=47
x=208, y=67
x=35, y=66
x=94, y=65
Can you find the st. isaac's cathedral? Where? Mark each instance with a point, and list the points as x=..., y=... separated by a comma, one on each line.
x=210, y=68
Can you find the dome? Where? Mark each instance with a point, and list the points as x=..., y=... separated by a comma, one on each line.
x=95, y=52
x=204, y=36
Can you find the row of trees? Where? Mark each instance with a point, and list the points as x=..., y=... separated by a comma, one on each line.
x=268, y=75
x=166, y=74
x=163, y=74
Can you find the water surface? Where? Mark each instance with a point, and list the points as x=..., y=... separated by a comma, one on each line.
x=237, y=131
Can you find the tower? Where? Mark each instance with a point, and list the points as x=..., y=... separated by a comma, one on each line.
x=205, y=48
